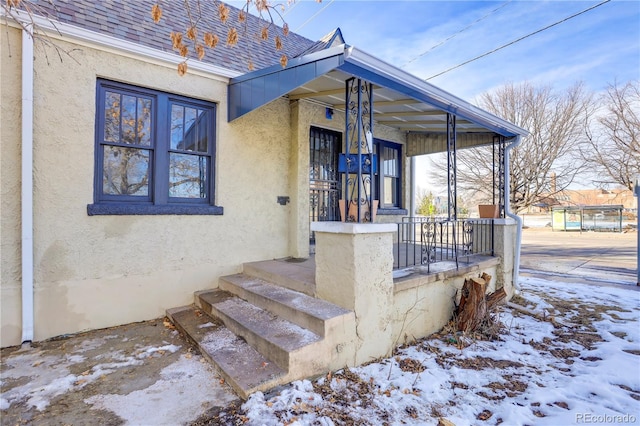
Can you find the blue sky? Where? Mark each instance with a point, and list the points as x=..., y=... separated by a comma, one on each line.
x=597, y=47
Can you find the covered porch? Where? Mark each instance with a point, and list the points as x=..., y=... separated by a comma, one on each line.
x=373, y=283
x=366, y=100
x=399, y=276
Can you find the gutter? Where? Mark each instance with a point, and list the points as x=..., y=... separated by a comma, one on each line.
x=507, y=212
x=27, y=187
x=412, y=186
x=426, y=92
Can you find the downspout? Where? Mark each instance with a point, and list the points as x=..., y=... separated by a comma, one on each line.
x=27, y=187
x=507, y=212
x=412, y=187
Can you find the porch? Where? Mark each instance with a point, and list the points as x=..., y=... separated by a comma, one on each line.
x=287, y=319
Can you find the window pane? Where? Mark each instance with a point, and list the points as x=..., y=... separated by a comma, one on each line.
x=203, y=131
x=128, y=119
x=190, y=129
x=187, y=176
x=112, y=117
x=177, y=126
x=125, y=171
x=390, y=165
x=389, y=191
x=144, y=121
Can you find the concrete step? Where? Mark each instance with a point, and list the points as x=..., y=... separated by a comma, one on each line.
x=272, y=336
x=242, y=367
x=294, y=275
x=308, y=312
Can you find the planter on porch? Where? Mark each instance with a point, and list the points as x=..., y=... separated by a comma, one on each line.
x=353, y=210
x=488, y=211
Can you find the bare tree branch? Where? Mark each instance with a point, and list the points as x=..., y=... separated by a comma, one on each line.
x=613, y=143
x=547, y=161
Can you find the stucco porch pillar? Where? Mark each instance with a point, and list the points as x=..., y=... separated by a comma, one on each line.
x=504, y=246
x=354, y=264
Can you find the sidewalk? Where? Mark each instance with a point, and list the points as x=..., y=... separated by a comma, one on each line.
x=141, y=374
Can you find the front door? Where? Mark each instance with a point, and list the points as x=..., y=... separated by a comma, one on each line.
x=324, y=180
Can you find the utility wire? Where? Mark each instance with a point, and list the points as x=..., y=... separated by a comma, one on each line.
x=313, y=16
x=290, y=8
x=517, y=40
x=455, y=34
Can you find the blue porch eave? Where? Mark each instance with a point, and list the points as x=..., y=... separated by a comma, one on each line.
x=252, y=90
x=257, y=88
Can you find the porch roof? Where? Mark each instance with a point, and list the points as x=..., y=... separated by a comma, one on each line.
x=400, y=99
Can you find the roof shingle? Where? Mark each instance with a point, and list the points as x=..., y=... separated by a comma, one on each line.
x=131, y=21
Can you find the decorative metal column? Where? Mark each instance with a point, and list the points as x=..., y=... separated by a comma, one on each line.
x=499, y=143
x=358, y=163
x=452, y=186
x=452, y=183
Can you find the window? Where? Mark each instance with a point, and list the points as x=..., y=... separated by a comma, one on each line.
x=154, y=153
x=389, y=177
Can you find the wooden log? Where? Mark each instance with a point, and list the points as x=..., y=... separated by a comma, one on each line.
x=474, y=309
x=486, y=277
x=495, y=298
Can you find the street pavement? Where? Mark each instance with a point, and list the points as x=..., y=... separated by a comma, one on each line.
x=608, y=257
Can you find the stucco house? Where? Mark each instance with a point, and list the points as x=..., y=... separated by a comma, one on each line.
x=127, y=188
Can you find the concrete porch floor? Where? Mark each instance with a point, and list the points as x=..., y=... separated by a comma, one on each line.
x=305, y=267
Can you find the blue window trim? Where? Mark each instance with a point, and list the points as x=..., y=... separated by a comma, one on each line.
x=387, y=209
x=396, y=211
x=150, y=209
x=158, y=202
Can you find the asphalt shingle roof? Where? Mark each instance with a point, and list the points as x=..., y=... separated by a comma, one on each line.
x=131, y=20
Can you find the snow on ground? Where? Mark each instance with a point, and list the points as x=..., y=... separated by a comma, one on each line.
x=569, y=355
x=576, y=361
x=51, y=376
x=188, y=383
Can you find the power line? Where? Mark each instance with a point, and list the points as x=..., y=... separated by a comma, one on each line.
x=455, y=34
x=290, y=8
x=313, y=16
x=517, y=40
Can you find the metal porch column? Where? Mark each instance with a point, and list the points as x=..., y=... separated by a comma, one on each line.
x=499, y=143
x=452, y=184
x=359, y=159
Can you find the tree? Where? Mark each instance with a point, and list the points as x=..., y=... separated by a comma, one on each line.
x=426, y=204
x=547, y=160
x=612, y=146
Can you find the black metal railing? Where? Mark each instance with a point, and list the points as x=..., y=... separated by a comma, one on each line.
x=423, y=241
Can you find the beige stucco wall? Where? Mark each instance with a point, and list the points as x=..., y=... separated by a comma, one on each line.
x=99, y=271
x=505, y=236
x=354, y=270
x=425, y=305
x=10, y=113
x=305, y=114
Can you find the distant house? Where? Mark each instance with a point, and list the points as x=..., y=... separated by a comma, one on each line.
x=126, y=188
x=588, y=197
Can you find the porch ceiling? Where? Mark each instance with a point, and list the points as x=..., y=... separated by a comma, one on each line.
x=400, y=100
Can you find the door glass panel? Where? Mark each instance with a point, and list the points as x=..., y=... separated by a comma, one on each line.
x=324, y=179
